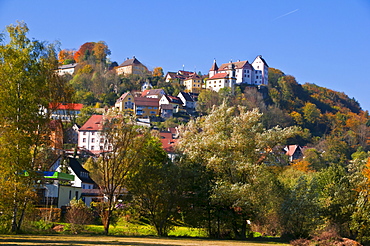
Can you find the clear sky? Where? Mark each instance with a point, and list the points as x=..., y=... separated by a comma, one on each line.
x=322, y=42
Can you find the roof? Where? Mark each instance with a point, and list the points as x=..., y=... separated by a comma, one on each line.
x=73, y=65
x=153, y=92
x=291, y=149
x=145, y=101
x=130, y=62
x=238, y=65
x=77, y=169
x=168, y=144
x=165, y=135
x=214, y=66
x=193, y=76
x=121, y=98
x=173, y=99
x=186, y=96
x=66, y=106
x=220, y=76
x=95, y=123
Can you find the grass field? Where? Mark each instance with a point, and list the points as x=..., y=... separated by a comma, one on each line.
x=86, y=240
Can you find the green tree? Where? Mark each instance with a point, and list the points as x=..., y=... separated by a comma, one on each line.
x=234, y=146
x=156, y=186
x=28, y=85
x=125, y=144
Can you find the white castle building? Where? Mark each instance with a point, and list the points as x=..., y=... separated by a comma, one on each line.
x=229, y=74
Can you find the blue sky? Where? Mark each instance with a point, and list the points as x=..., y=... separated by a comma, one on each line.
x=322, y=42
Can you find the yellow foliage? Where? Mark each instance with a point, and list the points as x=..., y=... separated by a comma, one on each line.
x=302, y=165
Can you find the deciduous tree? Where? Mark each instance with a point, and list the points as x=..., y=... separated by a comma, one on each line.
x=28, y=85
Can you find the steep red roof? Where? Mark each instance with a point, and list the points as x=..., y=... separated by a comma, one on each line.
x=168, y=144
x=220, y=76
x=66, y=106
x=95, y=123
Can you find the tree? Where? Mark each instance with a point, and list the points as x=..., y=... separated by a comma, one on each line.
x=28, y=85
x=156, y=185
x=234, y=146
x=158, y=72
x=125, y=145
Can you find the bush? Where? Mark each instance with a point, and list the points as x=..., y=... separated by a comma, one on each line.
x=78, y=215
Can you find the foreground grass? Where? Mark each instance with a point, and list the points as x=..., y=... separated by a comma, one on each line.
x=86, y=240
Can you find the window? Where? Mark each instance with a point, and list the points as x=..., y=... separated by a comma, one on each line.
x=84, y=133
x=84, y=140
x=92, y=133
x=93, y=140
x=101, y=147
x=102, y=140
x=92, y=147
x=129, y=98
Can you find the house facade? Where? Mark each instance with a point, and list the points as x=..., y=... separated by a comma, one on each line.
x=174, y=101
x=221, y=80
x=193, y=83
x=125, y=102
x=132, y=66
x=90, y=135
x=66, y=69
x=187, y=100
x=146, y=107
x=255, y=73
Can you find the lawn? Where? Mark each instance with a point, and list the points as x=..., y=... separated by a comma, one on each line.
x=86, y=240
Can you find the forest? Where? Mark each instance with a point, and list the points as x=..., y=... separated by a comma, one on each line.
x=230, y=176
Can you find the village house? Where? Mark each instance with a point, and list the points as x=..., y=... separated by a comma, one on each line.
x=188, y=101
x=65, y=111
x=66, y=69
x=153, y=93
x=125, y=102
x=222, y=80
x=146, y=107
x=89, y=135
x=193, y=83
x=179, y=76
x=132, y=66
x=174, y=101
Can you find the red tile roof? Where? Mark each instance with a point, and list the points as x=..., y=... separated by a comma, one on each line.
x=220, y=76
x=66, y=106
x=95, y=123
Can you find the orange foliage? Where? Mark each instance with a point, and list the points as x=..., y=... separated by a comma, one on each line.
x=65, y=54
x=302, y=165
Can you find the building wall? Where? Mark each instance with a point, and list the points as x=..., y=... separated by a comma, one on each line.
x=90, y=140
x=67, y=193
x=146, y=111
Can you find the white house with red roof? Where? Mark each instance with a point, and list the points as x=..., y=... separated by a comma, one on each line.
x=255, y=73
x=65, y=111
x=174, y=101
x=222, y=80
x=89, y=135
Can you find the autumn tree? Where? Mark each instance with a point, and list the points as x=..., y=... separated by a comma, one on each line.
x=28, y=86
x=158, y=72
x=66, y=56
